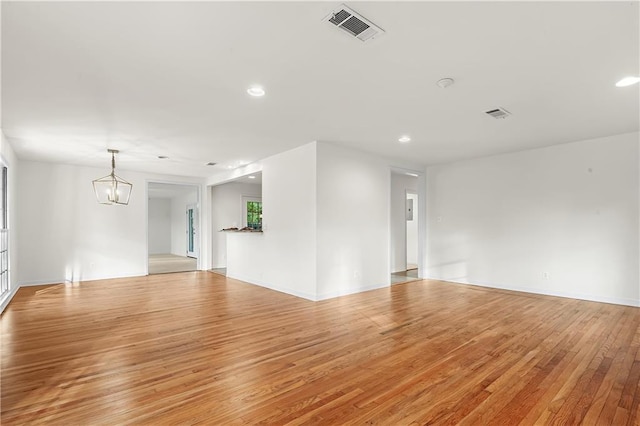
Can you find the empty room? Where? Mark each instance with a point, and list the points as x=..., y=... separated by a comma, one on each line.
x=393, y=213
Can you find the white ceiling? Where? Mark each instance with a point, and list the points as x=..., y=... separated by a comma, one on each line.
x=156, y=78
x=255, y=180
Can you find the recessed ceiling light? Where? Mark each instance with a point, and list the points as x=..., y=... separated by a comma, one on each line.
x=628, y=81
x=251, y=177
x=411, y=174
x=404, y=139
x=162, y=157
x=256, y=91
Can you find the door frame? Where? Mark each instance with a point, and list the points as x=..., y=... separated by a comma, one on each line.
x=422, y=219
x=408, y=192
x=199, y=263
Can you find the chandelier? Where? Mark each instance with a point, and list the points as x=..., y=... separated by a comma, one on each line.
x=112, y=189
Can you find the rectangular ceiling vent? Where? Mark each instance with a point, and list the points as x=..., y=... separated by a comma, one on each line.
x=498, y=113
x=353, y=24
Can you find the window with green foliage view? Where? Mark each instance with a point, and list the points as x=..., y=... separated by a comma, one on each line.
x=254, y=214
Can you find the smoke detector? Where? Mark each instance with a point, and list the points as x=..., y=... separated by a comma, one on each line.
x=353, y=24
x=498, y=113
x=445, y=82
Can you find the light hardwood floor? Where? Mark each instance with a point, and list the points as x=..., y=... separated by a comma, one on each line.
x=198, y=348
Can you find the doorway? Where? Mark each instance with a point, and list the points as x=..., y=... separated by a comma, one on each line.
x=412, y=231
x=404, y=216
x=172, y=241
x=235, y=204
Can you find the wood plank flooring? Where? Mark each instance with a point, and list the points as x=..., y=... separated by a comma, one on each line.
x=198, y=348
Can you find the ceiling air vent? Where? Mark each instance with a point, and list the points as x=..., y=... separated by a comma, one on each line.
x=353, y=24
x=498, y=113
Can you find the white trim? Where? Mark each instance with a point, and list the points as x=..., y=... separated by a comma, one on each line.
x=568, y=295
x=421, y=192
x=352, y=290
x=84, y=280
x=10, y=254
x=43, y=282
x=61, y=281
x=7, y=299
x=200, y=265
x=289, y=291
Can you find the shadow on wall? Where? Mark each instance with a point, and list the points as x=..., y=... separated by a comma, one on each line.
x=451, y=271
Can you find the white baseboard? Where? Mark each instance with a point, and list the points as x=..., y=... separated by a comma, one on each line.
x=569, y=295
x=353, y=290
x=41, y=282
x=281, y=289
x=314, y=298
x=6, y=300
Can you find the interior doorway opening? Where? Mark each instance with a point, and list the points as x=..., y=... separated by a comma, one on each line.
x=235, y=206
x=412, y=231
x=173, y=228
x=405, y=218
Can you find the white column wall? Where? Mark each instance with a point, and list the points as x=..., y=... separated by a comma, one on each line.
x=284, y=257
x=353, y=193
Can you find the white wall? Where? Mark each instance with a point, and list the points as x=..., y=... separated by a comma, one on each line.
x=284, y=257
x=226, y=212
x=13, y=167
x=159, y=225
x=325, y=220
x=400, y=183
x=66, y=235
x=353, y=221
x=561, y=220
x=179, y=220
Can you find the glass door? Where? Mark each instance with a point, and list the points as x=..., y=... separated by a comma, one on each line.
x=192, y=236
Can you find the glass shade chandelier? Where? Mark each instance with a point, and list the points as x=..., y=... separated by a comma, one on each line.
x=112, y=189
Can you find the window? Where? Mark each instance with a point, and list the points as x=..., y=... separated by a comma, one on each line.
x=4, y=235
x=254, y=214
